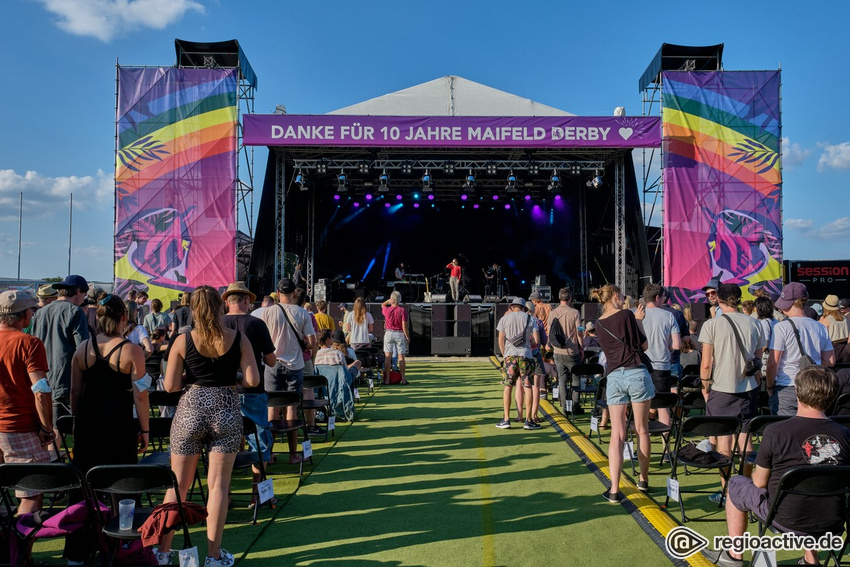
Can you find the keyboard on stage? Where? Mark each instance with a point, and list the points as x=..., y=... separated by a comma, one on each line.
x=405, y=282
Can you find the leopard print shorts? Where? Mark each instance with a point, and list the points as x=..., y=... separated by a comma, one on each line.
x=207, y=417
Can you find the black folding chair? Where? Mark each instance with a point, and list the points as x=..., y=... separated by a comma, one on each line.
x=663, y=400
x=815, y=483
x=319, y=385
x=693, y=402
x=65, y=427
x=129, y=481
x=158, y=452
x=37, y=477
x=600, y=403
x=756, y=428
x=841, y=406
x=164, y=402
x=704, y=426
x=589, y=373
x=248, y=460
x=284, y=400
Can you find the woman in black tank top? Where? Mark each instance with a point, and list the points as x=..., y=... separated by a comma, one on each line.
x=208, y=415
x=103, y=396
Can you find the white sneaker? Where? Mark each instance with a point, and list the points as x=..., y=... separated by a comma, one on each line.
x=225, y=560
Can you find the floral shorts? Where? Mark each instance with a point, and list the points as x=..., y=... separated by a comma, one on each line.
x=516, y=368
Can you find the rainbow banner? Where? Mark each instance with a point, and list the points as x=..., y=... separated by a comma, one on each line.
x=175, y=179
x=722, y=181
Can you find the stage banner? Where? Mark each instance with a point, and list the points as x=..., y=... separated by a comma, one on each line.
x=175, y=177
x=722, y=181
x=453, y=131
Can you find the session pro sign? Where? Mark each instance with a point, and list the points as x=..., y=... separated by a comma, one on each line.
x=821, y=277
x=453, y=131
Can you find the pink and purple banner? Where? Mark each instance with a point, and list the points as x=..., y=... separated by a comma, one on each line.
x=722, y=181
x=452, y=131
x=175, y=177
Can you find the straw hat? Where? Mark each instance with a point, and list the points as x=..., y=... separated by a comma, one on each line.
x=238, y=287
x=831, y=302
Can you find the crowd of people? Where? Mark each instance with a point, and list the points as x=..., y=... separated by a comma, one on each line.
x=76, y=350
x=777, y=349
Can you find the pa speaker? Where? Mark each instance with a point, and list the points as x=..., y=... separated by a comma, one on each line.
x=438, y=297
x=491, y=299
x=379, y=299
x=472, y=299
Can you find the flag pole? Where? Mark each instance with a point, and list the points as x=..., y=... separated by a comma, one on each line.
x=70, y=224
x=20, y=225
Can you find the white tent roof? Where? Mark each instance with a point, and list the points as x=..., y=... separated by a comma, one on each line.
x=451, y=96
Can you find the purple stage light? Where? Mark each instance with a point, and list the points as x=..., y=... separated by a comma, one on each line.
x=557, y=197
x=463, y=197
x=356, y=204
x=528, y=197
x=495, y=197
x=336, y=197
x=387, y=205
x=415, y=205
x=430, y=197
x=536, y=208
x=507, y=206
x=398, y=197
x=368, y=196
x=475, y=206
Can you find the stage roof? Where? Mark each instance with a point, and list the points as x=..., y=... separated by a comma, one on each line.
x=672, y=57
x=451, y=96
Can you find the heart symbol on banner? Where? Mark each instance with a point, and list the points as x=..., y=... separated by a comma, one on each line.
x=626, y=133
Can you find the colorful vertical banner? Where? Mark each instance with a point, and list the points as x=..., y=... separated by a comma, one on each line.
x=175, y=178
x=722, y=181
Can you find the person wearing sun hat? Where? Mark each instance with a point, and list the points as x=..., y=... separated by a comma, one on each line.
x=836, y=327
x=710, y=291
x=517, y=331
x=783, y=364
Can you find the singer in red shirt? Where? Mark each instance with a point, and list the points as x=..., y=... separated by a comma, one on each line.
x=454, y=278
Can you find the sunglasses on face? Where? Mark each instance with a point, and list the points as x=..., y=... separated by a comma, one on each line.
x=710, y=293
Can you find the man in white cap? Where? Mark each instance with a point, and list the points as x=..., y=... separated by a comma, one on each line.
x=517, y=330
x=26, y=407
x=62, y=326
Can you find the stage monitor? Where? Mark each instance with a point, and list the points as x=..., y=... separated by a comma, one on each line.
x=438, y=297
x=472, y=299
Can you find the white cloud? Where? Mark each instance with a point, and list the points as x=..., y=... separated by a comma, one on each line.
x=797, y=224
x=104, y=19
x=43, y=195
x=836, y=156
x=793, y=154
x=839, y=229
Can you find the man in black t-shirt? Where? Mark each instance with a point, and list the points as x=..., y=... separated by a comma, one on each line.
x=254, y=401
x=809, y=438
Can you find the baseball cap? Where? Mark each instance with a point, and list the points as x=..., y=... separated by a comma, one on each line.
x=844, y=303
x=343, y=306
x=534, y=295
x=15, y=301
x=73, y=281
x=518, y=301
x=791, y=293
x=286, y=286
x=339, y=337
x=46, y=290
x=728, y=291
x=713, y=283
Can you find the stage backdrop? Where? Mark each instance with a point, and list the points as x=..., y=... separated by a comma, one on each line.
x=722, y=181
x=175, y=174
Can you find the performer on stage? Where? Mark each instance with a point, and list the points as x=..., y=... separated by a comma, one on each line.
x=399, y=271
x=491, y=277
x=454, y=278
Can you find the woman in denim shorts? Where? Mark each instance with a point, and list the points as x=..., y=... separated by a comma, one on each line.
x=628, y=382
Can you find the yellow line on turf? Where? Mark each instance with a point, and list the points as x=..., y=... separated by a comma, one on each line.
x=488, y=524
x=659, y=519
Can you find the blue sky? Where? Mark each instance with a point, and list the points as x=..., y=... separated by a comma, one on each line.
x=58, y=97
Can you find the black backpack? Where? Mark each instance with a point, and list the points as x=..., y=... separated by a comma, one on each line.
x=557, y=337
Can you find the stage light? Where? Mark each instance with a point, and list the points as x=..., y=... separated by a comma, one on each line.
x=427, y=182
x=470, y=182
x=322, y=167
x=398, y=197
x=383, y=182
x=431, y=197
x=406, y=168
x=415, y=205
x=368, y=196
x=495, y=197
x=557, y=197
x=596, y=182
x=575, y=170
x=507, y=206
x=463, y=197
x=301, y=181
x=449, y=167
x=342, y=183
x=356, y=204
x=528, y=197
x=511, y=186
x=491, y=169
x=387, y=205
x=416, y=196
x=534, y=169
x=555, y=181
x=364, y=167
x=336, y=197
x=475, y=206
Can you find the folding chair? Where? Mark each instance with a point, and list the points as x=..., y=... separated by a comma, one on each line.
x=159, y=453
x=24, y=529
x=322, y=402
x=756, y=427
x=65, y=427
x=814, y=482
x=704, y=426
x=249, y=459
x=693, y=402
x=129, y=481
x=600, y=403
x=367, y=357
x=589, y=373
x=591, y=355
x=663, y=400
x=341, y=390
x=165, y=402
x=841, y=406
x=284, y=400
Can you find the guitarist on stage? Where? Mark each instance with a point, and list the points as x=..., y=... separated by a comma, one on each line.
x=491, y=276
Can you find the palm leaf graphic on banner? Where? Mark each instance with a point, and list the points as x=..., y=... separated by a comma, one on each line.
x=757, y=154
x=146, y=149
